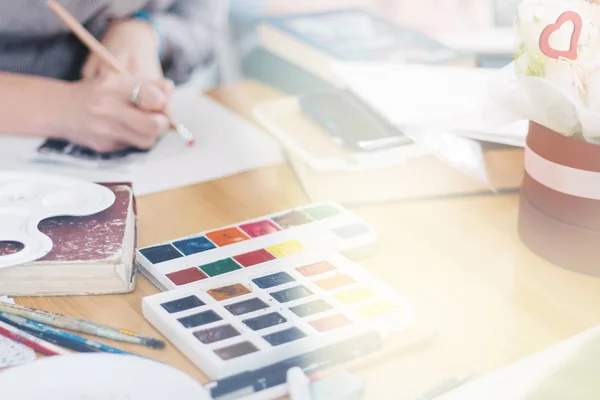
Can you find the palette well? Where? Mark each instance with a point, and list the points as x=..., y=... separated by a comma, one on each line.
x=281, y=308
x=26, y=199
x=322, y=226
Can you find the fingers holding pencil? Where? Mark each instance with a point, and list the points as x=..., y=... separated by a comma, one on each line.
x=110, y=60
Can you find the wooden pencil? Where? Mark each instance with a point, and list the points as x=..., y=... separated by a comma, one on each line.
x=102, y=52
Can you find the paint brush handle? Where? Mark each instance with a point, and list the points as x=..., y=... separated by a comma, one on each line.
x=57, y=333
x=67, y=344
x=79, y=325
x=31, y=341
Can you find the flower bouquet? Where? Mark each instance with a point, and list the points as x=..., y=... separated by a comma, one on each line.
x=554, y=82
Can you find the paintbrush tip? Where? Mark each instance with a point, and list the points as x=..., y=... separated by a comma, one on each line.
x=155, y=343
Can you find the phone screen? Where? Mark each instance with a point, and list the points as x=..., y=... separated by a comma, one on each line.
x=350, y=122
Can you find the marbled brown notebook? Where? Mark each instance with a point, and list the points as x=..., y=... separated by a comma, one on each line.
x=90, y=255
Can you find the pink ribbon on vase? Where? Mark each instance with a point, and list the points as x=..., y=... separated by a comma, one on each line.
x=561, y=178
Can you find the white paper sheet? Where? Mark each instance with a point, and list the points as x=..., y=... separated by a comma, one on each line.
x=12, y=353
x=449, y=98
x=226, y=145
x=527, y=379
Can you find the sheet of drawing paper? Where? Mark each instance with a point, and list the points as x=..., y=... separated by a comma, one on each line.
x=12, y=353
x=567, y=370
x=226, y=145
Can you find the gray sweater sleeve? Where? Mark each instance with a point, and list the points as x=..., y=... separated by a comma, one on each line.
x=192, y=29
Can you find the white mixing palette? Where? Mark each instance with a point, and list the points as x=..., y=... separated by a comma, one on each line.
x=27, y=198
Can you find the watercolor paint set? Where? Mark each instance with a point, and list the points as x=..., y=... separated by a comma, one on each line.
x=284, y=307
x=323, y=226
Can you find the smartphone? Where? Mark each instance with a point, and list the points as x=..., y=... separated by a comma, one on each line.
x=350, y=122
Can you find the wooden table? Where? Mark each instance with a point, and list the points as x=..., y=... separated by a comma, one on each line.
x=458, y=260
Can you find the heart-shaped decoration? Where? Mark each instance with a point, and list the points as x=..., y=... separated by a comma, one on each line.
x=572, y=53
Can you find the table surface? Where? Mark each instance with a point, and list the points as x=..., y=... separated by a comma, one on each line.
x=458, y=260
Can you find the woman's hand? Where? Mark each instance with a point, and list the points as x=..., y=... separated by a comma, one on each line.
x=110, y=121
x=135, y=44
x=99, y=114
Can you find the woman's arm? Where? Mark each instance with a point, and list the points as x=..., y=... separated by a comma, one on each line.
x=97, y=114
x=191, y=29
x=30, y=105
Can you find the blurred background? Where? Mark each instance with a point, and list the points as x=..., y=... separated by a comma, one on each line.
x=469, y=25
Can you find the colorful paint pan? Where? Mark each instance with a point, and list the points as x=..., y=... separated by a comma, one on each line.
x=265, y=321
x=272, y=280
x=315, y=269
x=254, y=243
x=186, y=276
x=194, y=245
x=281, y=337
x=236, y=351
x=335, y=282
x=260, y=315
x=202, y=318
x=292, y=218
x=311, y=308
x=227, y=236
x=260, y=228
x=329, y=323
x=375, y=309
x=254, y=258
x=220, y=267
x=322, y=211
x=160, y=254
x=183, y=304
x=291, y=294
x=246, y=306
x=286, y=249
x=228, y=292
x=216, y=334
x=351, y=231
